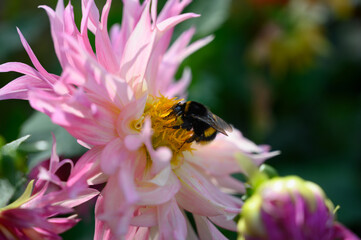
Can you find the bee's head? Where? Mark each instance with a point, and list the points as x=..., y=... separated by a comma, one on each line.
x=178, y=109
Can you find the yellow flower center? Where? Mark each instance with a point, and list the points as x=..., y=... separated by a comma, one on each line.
x=159, y=109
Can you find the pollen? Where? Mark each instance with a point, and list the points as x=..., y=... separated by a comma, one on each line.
x=159, y=110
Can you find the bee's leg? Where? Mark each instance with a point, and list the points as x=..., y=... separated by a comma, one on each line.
x=172, y=114
x=187, y=126
x=182, y=145
x=174, y=127
x=189, y=140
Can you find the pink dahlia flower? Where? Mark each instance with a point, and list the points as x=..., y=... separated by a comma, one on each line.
x=35, y=214
x=290, y=208
x=115, y=102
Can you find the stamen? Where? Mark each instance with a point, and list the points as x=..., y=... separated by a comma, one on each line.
x=159, y=110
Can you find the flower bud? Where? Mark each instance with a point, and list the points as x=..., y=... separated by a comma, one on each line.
x=289, y=208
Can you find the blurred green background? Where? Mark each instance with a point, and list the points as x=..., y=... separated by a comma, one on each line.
x=285, y=72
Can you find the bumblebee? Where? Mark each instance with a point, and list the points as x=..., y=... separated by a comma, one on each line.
x=201, y=120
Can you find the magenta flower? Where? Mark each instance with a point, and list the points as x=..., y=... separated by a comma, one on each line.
x=115, y=102
x=35, y=214
x=290, y=208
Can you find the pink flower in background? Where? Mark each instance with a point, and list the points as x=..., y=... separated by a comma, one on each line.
x=17, y=221
x=34, y=215
x=115, y=101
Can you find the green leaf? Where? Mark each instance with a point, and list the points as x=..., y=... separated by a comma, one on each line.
x=12, y=163
x=2, y=141
x=40, y=127
x=10, y=149
x=23, y=198
x=213, y=14
x=7, y=191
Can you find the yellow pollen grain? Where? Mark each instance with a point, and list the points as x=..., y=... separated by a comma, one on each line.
x=159, y=109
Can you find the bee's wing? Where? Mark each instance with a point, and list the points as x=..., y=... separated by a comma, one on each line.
x=216, y=122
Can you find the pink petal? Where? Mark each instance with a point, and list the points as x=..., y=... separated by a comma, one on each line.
x=43, y=102
x=113, y=209
x=131, y=111
x=131, y=14
x=56, y=28
x=68, y=21
x=230, y=184
x=104, y=50
x=63, y=224
x=102, y=232
x=194, y=47
x=44, y=175
x=156, y=81
x=18, y=88
x=224, y=223
x=161, y=176
x=133, y=142
x=161, y=158
x=21, y=68
x=84, y=29
x=137, y=50
x=116, y=37
x=55, y=164
x=173, y=21
x=170, y=61
x=84, y=129
x=258, y=153
x=81, y=197
x=179, y=88
x=219, y=157
x=85, y=121
x=93, y=16
x=152, y=194
x=59, y=8
x=126, y=181
x=172, y=224
x=105, y=13
x=87, y=167
x=172, y=8
x=113, y=155
x=145, y=217
x=206, y=230
x=139, y=233
x=198, y=195
x=191, y=234
x=153, y=12
x=26, y=218
x=179, y=45
x=69, y=196
x=118, y=90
